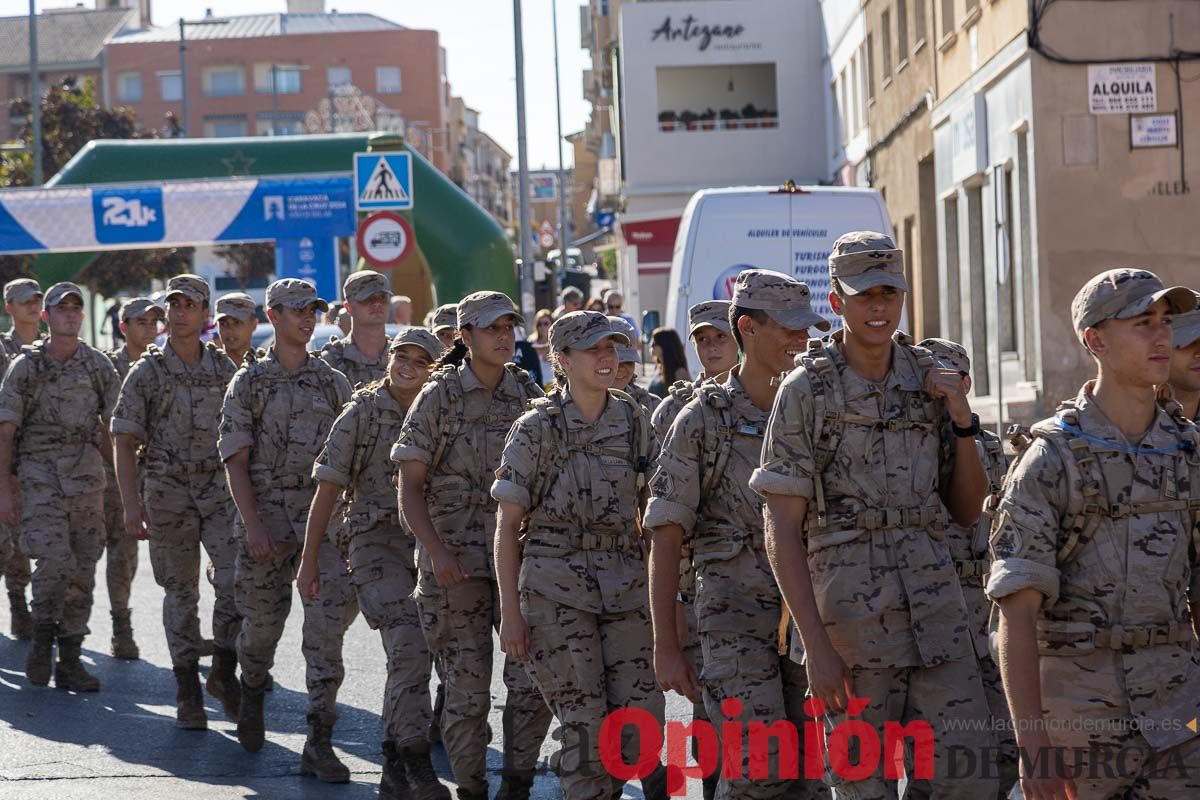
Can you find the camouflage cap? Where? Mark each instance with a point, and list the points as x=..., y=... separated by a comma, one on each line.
x=952, y=354
x=418, y=337
x=444, y=317
x=484, y=308
x=1124, y=293
x=56, y=293
x=862, y=260
x=140, y=307
x=711, y=313
x=237, y=305
x=786, y=300
x=294, y=293
x=21, y=290
x=580, y=330
x=364, y=284
x=625, y=352
x=191, y=286
x=1186, y=327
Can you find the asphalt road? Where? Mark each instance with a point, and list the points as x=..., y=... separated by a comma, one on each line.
x=122, y=742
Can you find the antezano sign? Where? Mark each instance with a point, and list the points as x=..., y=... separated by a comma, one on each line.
x=384, y=239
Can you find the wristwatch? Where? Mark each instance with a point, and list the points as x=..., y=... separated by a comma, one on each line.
x=971, y=431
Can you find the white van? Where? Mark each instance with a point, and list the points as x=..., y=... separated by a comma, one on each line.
x=789, y=229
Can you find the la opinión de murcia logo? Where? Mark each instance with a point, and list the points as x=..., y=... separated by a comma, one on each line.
x=689, y=29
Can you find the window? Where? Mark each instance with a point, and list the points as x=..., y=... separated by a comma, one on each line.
x=971, y=6
x=947, y=17
x=338, y=76
x=902, y=29
x=603, y=8
x=719, y=97
x=283, y=124
x=864, y=78
x=224, y=81
x=217, y=127
x=129, y=87
x=869, y=67
x=885, y=33
x=387, y=80
x=286, y=78
x=918, y=21
x=953, y=282
x=852, y=89
x=170, y=87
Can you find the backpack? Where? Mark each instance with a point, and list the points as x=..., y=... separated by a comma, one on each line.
x=42, y=365
x=366, y=435
x=167, y=382
x=455, y=411
x=263, y=383
x=716, y=412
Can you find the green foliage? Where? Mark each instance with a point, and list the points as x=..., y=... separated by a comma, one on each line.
x=254, y=261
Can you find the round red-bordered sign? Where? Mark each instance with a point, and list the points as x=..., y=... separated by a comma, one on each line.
x=384, y=239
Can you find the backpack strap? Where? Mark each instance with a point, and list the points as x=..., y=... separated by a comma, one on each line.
x=552, y=450
x=529, y=387
x=367, y=433
x=828, y=416
x=639, y=428
x=683, y=391
x=716, y=412
x=455, y=412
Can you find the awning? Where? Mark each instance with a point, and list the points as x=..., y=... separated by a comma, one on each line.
x=654, y=238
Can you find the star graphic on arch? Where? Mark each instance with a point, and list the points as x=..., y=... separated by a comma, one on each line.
x=238, y=163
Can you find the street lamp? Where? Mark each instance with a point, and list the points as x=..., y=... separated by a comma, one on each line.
x=183, y=91
x=35, y=97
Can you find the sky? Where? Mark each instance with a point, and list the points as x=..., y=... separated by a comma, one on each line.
x=478, y=38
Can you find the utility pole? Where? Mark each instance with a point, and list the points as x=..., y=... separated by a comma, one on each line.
x=563, y=237
x=527, y=303
x=274, y=99
x=183, y=87
x=35, y=96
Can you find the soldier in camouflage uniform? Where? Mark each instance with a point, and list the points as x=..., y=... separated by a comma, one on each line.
x=868, y=438
x=23, y=302
x=628, y=359
x=573, y=586
x=7, y=545
x=444, y=323
x=57, y=397
x=1184, y=382
x=139, y=321
x=701, y=494
x=380, y=553
x=969, y=549
x=276, y=415
x=236, y=321
x=448, y=451
x=363, y=355
x=1096, y=544
x=170, y=407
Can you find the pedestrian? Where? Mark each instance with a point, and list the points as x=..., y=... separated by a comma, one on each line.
x=700, y=494
x=400, y=308
x=969, y=549
x=276, y=415
x=712, y=339
x=540, y=339
x=614, y=306
x=23, y=302
x=448, y=451
x=1096, y=565
x=444, y=324
x=176, y=496
x=140, y=318
x=237, y=320
x=595, y=304
x=1184, y=381
x=569, y=557
x=344, y=322
x=628, y=360
x=867, y=440
x=55, y=404
x=569, y=299
x=667, y=350
x=380, y=553
x=363, y=354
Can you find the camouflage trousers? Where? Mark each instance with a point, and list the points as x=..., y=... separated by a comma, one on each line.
x=65, y=539
x=6, y=545
x=978, y=611
x=17, y=569
x=586, y=666
x=693, y=651
x=458, y=622
x=121, y=554
x=771, y=688
x=177, y=532
x=384, y=576
x=264, y=598
x=948, y=696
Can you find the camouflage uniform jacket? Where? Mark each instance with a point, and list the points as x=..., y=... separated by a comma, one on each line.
x=581, y=544
x=12, y=343
x=679, y=394
x=884, y=581
x=283, y=417
x=736, y=591
x=462, y=511
x=121, y=360
x=355, y=458
x=58, y=410
x=650, y=402
x=1115, y=631
x=344, y=356
x=174, y=409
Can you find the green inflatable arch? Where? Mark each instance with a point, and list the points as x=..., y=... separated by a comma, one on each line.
x=464, y=248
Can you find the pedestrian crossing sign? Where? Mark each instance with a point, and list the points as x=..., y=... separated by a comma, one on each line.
x=383, y=180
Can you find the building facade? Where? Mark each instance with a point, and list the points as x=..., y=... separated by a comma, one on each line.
x=479, y=166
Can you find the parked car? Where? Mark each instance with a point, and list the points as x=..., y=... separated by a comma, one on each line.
x=264, y=334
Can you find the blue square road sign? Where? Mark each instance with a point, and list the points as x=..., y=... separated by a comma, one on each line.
x=383, y=181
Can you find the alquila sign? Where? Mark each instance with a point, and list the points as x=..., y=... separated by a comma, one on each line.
x=689, y=29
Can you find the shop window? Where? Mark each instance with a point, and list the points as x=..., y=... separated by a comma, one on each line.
x=717, y=98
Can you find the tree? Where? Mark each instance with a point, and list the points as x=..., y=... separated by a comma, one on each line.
x=251, y=261
x=116, y=271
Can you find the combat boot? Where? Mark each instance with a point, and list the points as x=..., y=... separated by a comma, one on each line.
x=435, y=721
x=514, y=786
x=207, y=648
x=69, y=673
x=469, y=794
x=250, y=717
x=318, y=759
x=189, y=702
x=654, y=785
x=392, y=784
x=222, y=682
x=40, y=657
x=418, y=769
x=710, y=785
x=123, y=645
x=22, y=620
